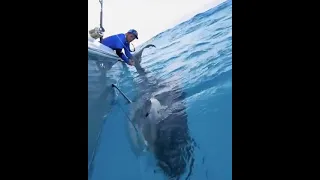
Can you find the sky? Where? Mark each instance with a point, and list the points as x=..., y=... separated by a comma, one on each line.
x=148, y=17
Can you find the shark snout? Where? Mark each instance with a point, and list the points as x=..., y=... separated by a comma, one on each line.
x=155, y=107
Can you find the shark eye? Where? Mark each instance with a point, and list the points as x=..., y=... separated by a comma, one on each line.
x=147, y=114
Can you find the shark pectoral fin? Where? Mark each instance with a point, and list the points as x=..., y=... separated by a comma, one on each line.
x=146, y=146
x=145, y=142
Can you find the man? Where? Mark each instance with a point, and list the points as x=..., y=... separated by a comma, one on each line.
x=122, y=41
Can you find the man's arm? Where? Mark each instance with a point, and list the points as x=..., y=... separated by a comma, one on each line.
x=121, y=45
x=122, y=56
x=127, y=51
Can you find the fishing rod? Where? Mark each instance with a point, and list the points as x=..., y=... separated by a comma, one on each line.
x=102, y=30
x=101, y=16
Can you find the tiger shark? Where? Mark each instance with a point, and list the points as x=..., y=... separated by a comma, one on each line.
x=159, y=122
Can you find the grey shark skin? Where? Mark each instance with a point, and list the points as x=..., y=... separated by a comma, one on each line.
x=159, y=113
x=137, y=58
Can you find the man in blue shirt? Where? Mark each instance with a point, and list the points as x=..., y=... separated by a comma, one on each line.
x=122, y=41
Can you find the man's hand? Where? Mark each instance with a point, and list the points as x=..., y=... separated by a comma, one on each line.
x=131, y=62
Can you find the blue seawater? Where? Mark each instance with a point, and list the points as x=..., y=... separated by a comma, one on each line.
x=198, y=53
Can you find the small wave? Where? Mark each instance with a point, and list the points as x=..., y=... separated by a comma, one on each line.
x=216, y=35
x=170, y=59
x=192, y=29
x=201, y=44
x=226, y=19
x=209, y=23
x=223, y=76
x=174, y=43
x=196, y=54
x=221, y=41
x=211, y=11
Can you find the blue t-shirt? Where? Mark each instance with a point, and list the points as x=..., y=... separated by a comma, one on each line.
x=118, y=42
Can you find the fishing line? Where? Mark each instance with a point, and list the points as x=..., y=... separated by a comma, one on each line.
x=137, y=135
x=134, y=49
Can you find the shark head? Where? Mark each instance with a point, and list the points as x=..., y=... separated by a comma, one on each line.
x=146, y=118
x=153, y=115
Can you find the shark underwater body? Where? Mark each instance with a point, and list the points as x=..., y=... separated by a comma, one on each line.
x=159, y=115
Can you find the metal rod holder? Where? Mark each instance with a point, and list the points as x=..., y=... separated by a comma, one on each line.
x=129, y=101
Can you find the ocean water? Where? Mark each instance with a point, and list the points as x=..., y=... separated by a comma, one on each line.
x=195, y=55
